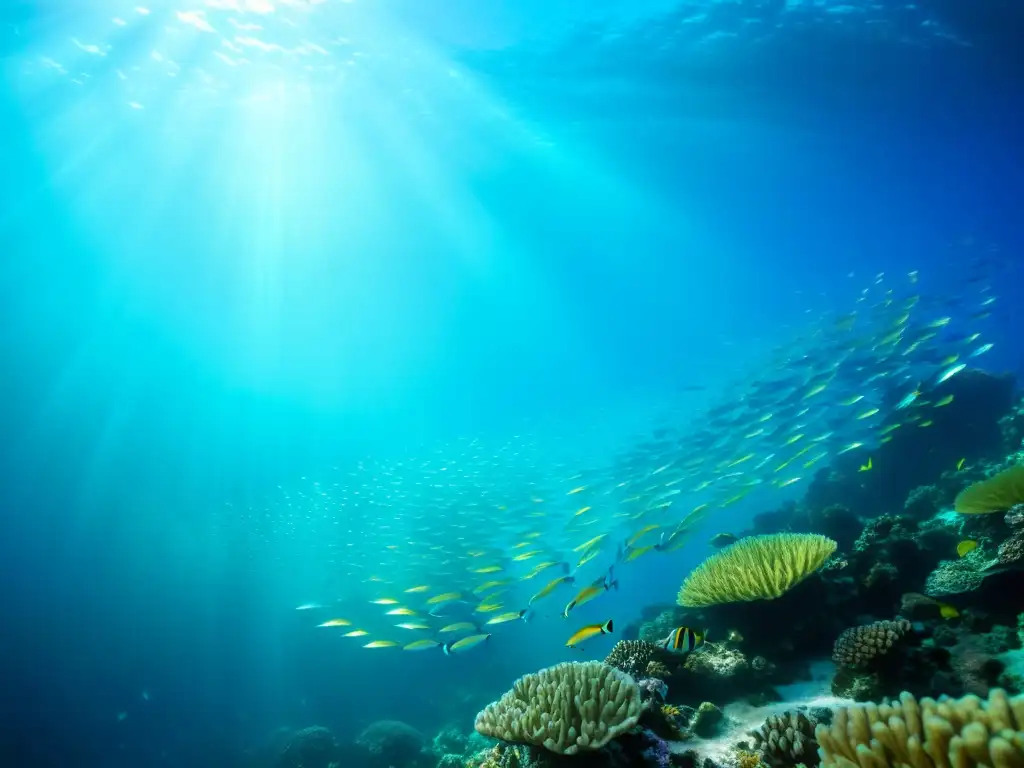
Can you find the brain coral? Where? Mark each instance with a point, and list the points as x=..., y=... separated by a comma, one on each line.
x=951, y=733
x=857, y=646
x=565, y=708
x=756, y=568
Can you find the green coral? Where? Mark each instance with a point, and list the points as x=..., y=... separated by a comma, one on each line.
x=756, y=568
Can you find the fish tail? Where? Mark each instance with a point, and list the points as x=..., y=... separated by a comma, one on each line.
x=607, y=627
x=526, y=614
x=447, y=648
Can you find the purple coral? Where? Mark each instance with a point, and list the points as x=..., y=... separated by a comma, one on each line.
x=657, y=753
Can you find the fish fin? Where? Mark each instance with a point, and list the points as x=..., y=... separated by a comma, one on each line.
x=447, y=649
x=607, y=627
x=614, y=585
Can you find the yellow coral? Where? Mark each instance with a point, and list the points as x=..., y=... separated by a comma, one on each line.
x=996, y=494
x=671, y=711
x=745, y=759
x=565, y=708
x=755, y=568
x=948, y=733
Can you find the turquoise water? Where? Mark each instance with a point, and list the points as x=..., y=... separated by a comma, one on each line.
x=268, y=268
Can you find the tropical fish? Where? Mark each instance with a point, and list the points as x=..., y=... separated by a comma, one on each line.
x=947, y=611
x=981, y=350
x=336, y=623
x=512, y=616
x=865, y=467
x=421, y=645
x=682, y=640
x=591, y=591
x=384, y=601
x=720, y=540
x=413, y=625
x=401, y=612
x=551, y=586
x=587, y=632
x=460, y=646
x=381, y=644
x=965, y=547
x=460, y=626
x=356, y=633
x=960, y=464
x=907, y=401
x=944, y=401
x=949, y=373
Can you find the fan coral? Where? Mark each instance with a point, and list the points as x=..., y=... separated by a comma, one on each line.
x=565, y=708
x=634, y=657
x=996, y=494
x=787, y=740
x=857, y=646
x=953, y=733
x=755, y=568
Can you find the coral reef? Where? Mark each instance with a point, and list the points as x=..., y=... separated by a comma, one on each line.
x=313, y=747
x=635, y=657
x=787, y=740
x=927, y=733
x=755, y=568
x=707, y=720
x=954, y=577
x=858, y=646
x=392, y=743
x=565, y=708
x=998, y=493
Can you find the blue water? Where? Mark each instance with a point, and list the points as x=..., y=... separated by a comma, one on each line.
x=541, y=216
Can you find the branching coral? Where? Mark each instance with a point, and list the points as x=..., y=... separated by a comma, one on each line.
x=858, y=646
x=996, y=494
x=565, y=708
x=756, y=568
x=787, y=740
x=948, y=733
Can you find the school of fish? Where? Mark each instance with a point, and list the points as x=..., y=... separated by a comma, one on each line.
x=443, y=552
